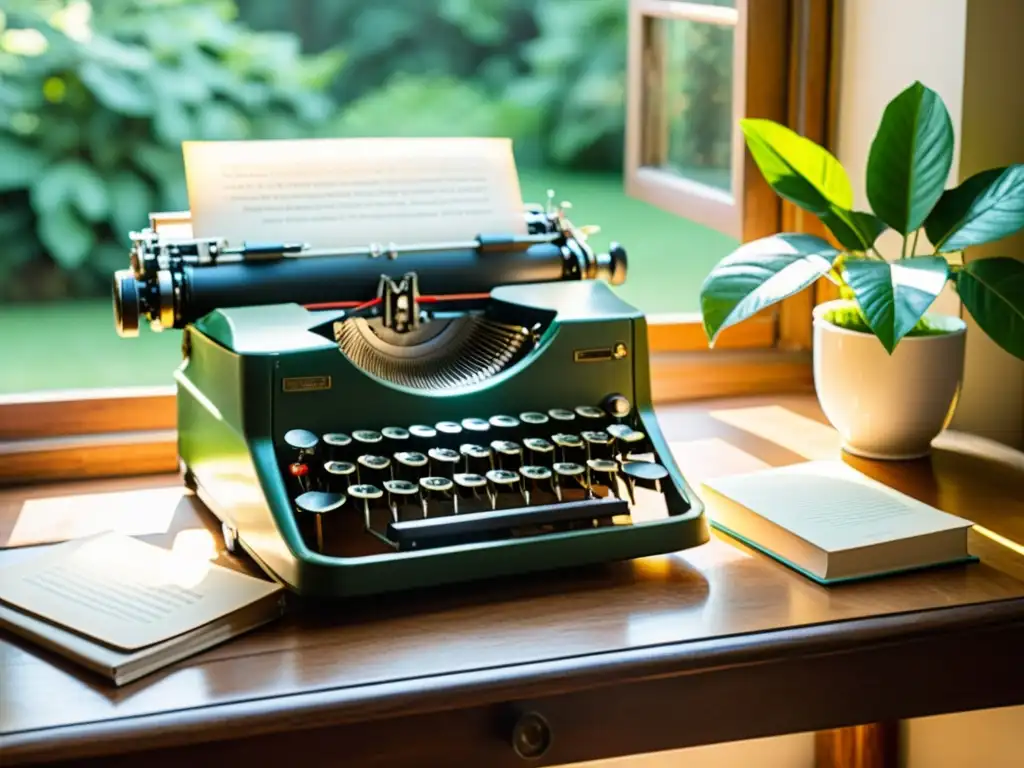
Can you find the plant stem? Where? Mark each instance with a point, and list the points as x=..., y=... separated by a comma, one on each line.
x=877, y=254
x=913, y=249
x=903, y=254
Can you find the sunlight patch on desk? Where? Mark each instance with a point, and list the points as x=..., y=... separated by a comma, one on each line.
x=59, y=518
x=1011, y=545
x=712, y=457
x=799, y=434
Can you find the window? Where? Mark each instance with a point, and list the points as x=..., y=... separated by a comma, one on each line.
x=626, y=108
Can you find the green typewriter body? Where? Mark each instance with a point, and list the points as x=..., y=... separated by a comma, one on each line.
x=497, y=423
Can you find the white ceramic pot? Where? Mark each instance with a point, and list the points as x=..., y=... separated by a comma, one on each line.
x=887, y=406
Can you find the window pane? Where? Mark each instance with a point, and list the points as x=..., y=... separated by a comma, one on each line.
x=97, y=97
x=688, y=100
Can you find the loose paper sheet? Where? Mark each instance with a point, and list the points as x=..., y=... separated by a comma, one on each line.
x=124, y=592
x=833, y=506
x=59, y=518
x=336, y=193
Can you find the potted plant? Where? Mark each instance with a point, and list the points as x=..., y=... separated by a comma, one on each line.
x=886, y=370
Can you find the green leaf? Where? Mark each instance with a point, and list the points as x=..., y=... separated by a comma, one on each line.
x=797, y=168
x=118, y=90
x=131, y=201
x=759, y=274
x=993, y=292
x=68, y=239
x=910, y=158
x=20, y=165
x=988, y=206
x=71, y=182
x=893, y=297
x=855, y=230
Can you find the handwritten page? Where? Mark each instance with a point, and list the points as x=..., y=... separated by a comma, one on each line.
x=832, y=506
x=336, y=193
x=126, y=593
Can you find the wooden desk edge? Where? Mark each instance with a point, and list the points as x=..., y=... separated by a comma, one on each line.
x=497, y=685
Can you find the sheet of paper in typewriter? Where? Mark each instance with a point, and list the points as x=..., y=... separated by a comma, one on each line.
x=337, y=193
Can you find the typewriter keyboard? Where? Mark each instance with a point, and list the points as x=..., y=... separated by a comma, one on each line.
x=422, y=486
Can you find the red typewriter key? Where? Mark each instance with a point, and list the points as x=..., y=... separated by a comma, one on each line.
x=298, y=469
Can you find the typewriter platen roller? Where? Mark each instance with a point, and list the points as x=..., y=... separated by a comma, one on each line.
x=383, y=419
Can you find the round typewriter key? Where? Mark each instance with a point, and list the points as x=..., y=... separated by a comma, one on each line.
x=534, y=423
x=634, y=444
x=318, y=503
x=477, y=458
x=539, y=452
x=561, y=414
x=410, y=465
x=422, y=437
x=401, y=493
x=338, y=474
x=602, y=472
x=618, y=431
x=507, y=454
x=536, y=481
x=361, y=496
x=337, y=444
x=570, y=446
x=470, y=489
x=505, y=487
x=599, y=444
x=590, y=412
x=567, y=474
x=367, y=437
x=373, y=469
x=505, y=427
x=301, y=439
x=435, y=492
x=645, y=474
x=396, y=438
x=476, y=425
x=443, y=461
x=449, y=434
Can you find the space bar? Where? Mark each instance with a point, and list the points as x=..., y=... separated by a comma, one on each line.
x=432, y=531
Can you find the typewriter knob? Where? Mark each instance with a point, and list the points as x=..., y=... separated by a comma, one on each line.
x=531, y=736
x=618, y=407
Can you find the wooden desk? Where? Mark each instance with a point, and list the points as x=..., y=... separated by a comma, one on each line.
x=711, y=644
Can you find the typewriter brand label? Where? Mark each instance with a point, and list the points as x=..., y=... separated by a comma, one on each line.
x=306, y=383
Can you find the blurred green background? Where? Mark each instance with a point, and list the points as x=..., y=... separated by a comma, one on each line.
x=96, y=97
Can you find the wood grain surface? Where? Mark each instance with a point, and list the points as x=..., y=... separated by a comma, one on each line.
x=652, y=621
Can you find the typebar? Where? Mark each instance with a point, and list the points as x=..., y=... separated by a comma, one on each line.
x=440, y=531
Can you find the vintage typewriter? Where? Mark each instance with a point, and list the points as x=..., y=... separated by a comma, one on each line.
x=379, y=419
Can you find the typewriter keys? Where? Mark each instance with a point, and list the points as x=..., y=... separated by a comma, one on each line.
x=396, y=438
x=362, y=495
x=443, y=461
x=401, y=493
x=449, y=434
x=373, y=470
x=301, y=440
x=567, y=475
x=337, y=444
x=367, y=438
x=561, y=414
x=599, y=444
x=410, y=465
x=477, y=458
x=508, y=455
x=478, y=426
x=602, y=472
x=317, y=504
x=421, y=437
x=634, y=443
x=536, y=482
x=436, y=492
x=590, y=413
x=570, y=447
x=504, y=488
x=539, y=452
x=618, y=431
x=338, y=474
